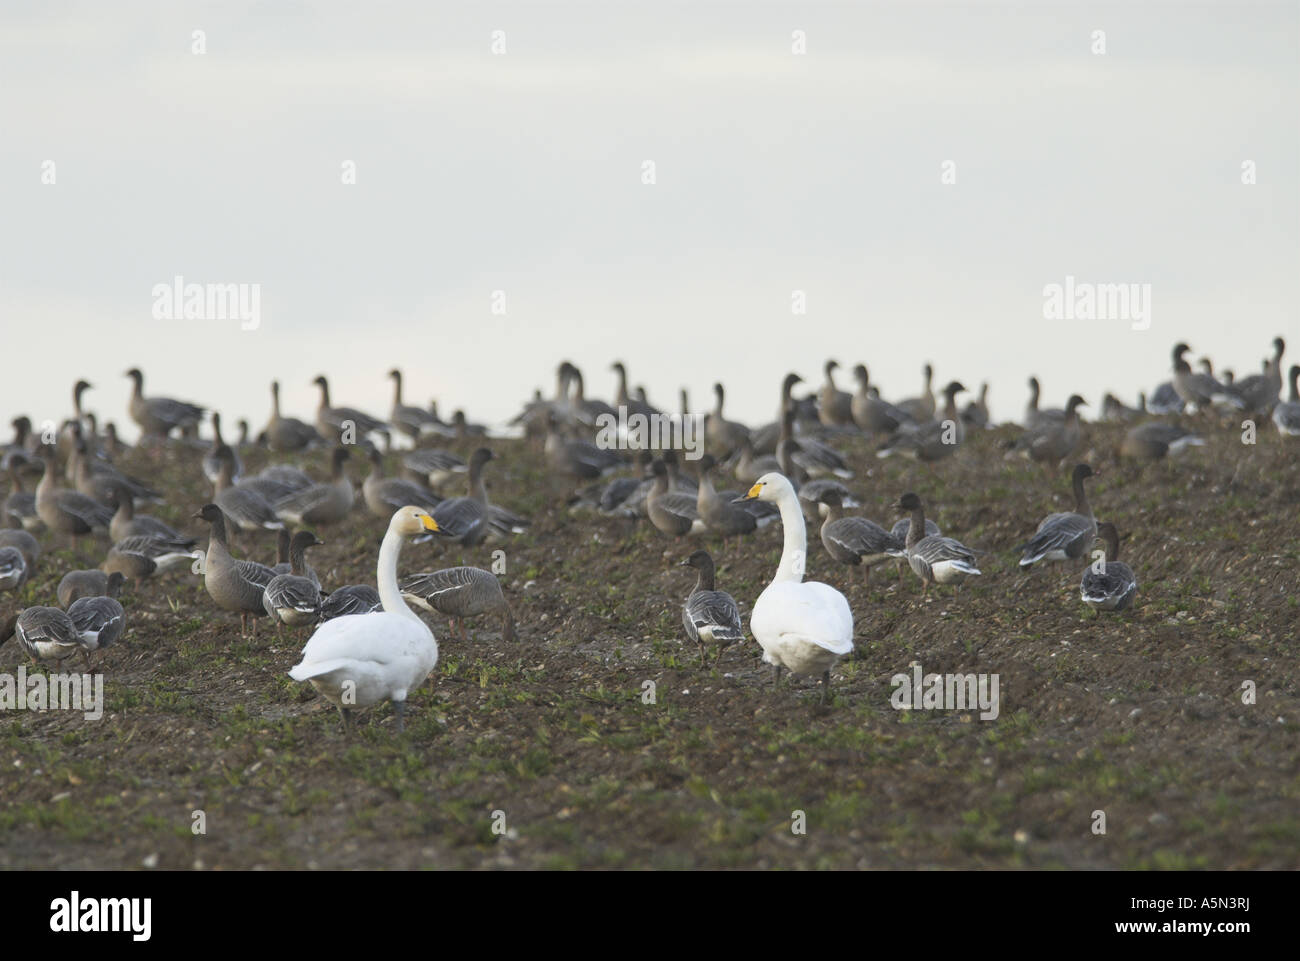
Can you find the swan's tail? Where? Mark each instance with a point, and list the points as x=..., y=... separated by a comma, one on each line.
x=305, y=671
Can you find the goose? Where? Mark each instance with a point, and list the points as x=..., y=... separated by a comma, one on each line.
x=139, y=557
x=283, y=565
x=719, y=510
x=21, y=446
x=671, y=512
x=921, y=408
x=276, y=482
x=1109, y=584
x=1052, y=440
x=383, y=495
x=68, y=512
x=293, y=599
x=433, y=467
x=358, y=660
x=904, y=525
x=288, y=433
x=1196, y=390
x=631, y=404
x=462, y=429
x=97, y=478
x=749, y=467
x=871, y=413
x=78, y=584
x=586, y=409
x=113, y=445
x=811, y=494
x=436, y=426
x=66, y=437
x=464, y=520
x=99, y=620
x=319, y=504
x=1034, y=416
x=678, y=482
x=1064, y=536
x=245, y=509
x=933, y=557
x=26, y=544
x=1116, y=411
x=13, y=569
x=1153, y=440
x=233, y=584
x=352, y=599
x=20, y=506
x=577, y=459
x=622, y=496
x=460, y=593
x=935, y=439
x=803, y=626
x=48, y=634
x=856, y=541
x=710, y=616
x=1257, y=393
x=411, y=421
x=342, y=424
x=159, y=416
x=768, y=436
x=1286, y=415
x=813, y=456
x=834, y=406
x=212, y=459
x=127, y=523
x=1165, y=400
x=722, y=435
x=976, y=413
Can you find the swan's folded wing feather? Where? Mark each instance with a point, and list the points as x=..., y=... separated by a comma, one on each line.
x=806, y=610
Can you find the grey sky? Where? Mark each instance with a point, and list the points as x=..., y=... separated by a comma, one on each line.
x=522, y=172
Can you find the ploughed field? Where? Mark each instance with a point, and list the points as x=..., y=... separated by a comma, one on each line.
x=549, y=752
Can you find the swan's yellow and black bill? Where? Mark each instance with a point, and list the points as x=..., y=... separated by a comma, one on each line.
x=753, y=492
x=428, y=522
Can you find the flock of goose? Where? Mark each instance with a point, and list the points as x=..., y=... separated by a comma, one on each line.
x=367, y=644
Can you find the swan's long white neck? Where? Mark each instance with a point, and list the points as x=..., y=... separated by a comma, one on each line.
x=389, y=593
x=794, y=556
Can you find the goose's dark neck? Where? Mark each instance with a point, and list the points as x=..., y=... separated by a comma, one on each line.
x=1112, y=545
x=1081, y=504
x=705, y=580
x=298, y=559
x=916, y=531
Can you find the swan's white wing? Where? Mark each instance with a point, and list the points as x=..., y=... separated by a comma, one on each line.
x=383, y=654
x=804, y=611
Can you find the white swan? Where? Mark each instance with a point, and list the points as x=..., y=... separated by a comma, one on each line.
x=362, y=659
x=803, y=626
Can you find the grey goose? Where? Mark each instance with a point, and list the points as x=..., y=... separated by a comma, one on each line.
x=1052, y=440
x=288, y=433
x=671, y=512
x=856, y=541
x=244, y=507
x=576, y=458
x=127, y=523
x=139, y=557
x=1108, y=584
x=921, y=408
x=433, y=467
x=411, y=421
x=342, y=424
x=384, y=495
x=234, y=585
x=48, y=634
x=293, y=599
x=25, y=544
x=1154, y=440
x=212, y=459
x=348, y=600
x=976, y=413
x=13, y=569
x=933, y=557
x=834, y=406
x=465, y=520
x=20, y=506
x=1068, y=535
x=324, y=503
x=1286, y=415
x=460, y=593
x=872, y=413
x=78, y=584
x=1165, y=400
x=710, y=617
x=99, y=620
x=159, y=416
x=68, y=512
x=720, y=513
x=935, y=439
x=723, y=436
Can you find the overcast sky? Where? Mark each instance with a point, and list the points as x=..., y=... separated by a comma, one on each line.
x=523, y=172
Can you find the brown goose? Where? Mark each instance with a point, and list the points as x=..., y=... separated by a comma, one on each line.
x=1052, y=441
x=768, y=436
x=1153, y=440
x=1064, y=536
x=870, y=412
x=976, y=413
x=465, y=520
x=460, y=593
x=127, y=523
x=244, y=507
x=325, y=503
x=212, y=459
x=342, y=424
x=672, y=513
x=293, y=599
x=68, y=512
x=78, y=584
x=384, y=495
x=411, y=421
x=933, y=440
x=159, y=416
x=20, y=506
x=288, y=433
x=719, y=510
x=233, y=584
x=722, y=435
x=140, y=557
x=921, y=408
x=834, y=406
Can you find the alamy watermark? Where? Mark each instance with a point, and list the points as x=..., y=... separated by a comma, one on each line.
x=639, y=431
x=1078, y=300
x=181, y=301
x=945, y=692
x=53, y=692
